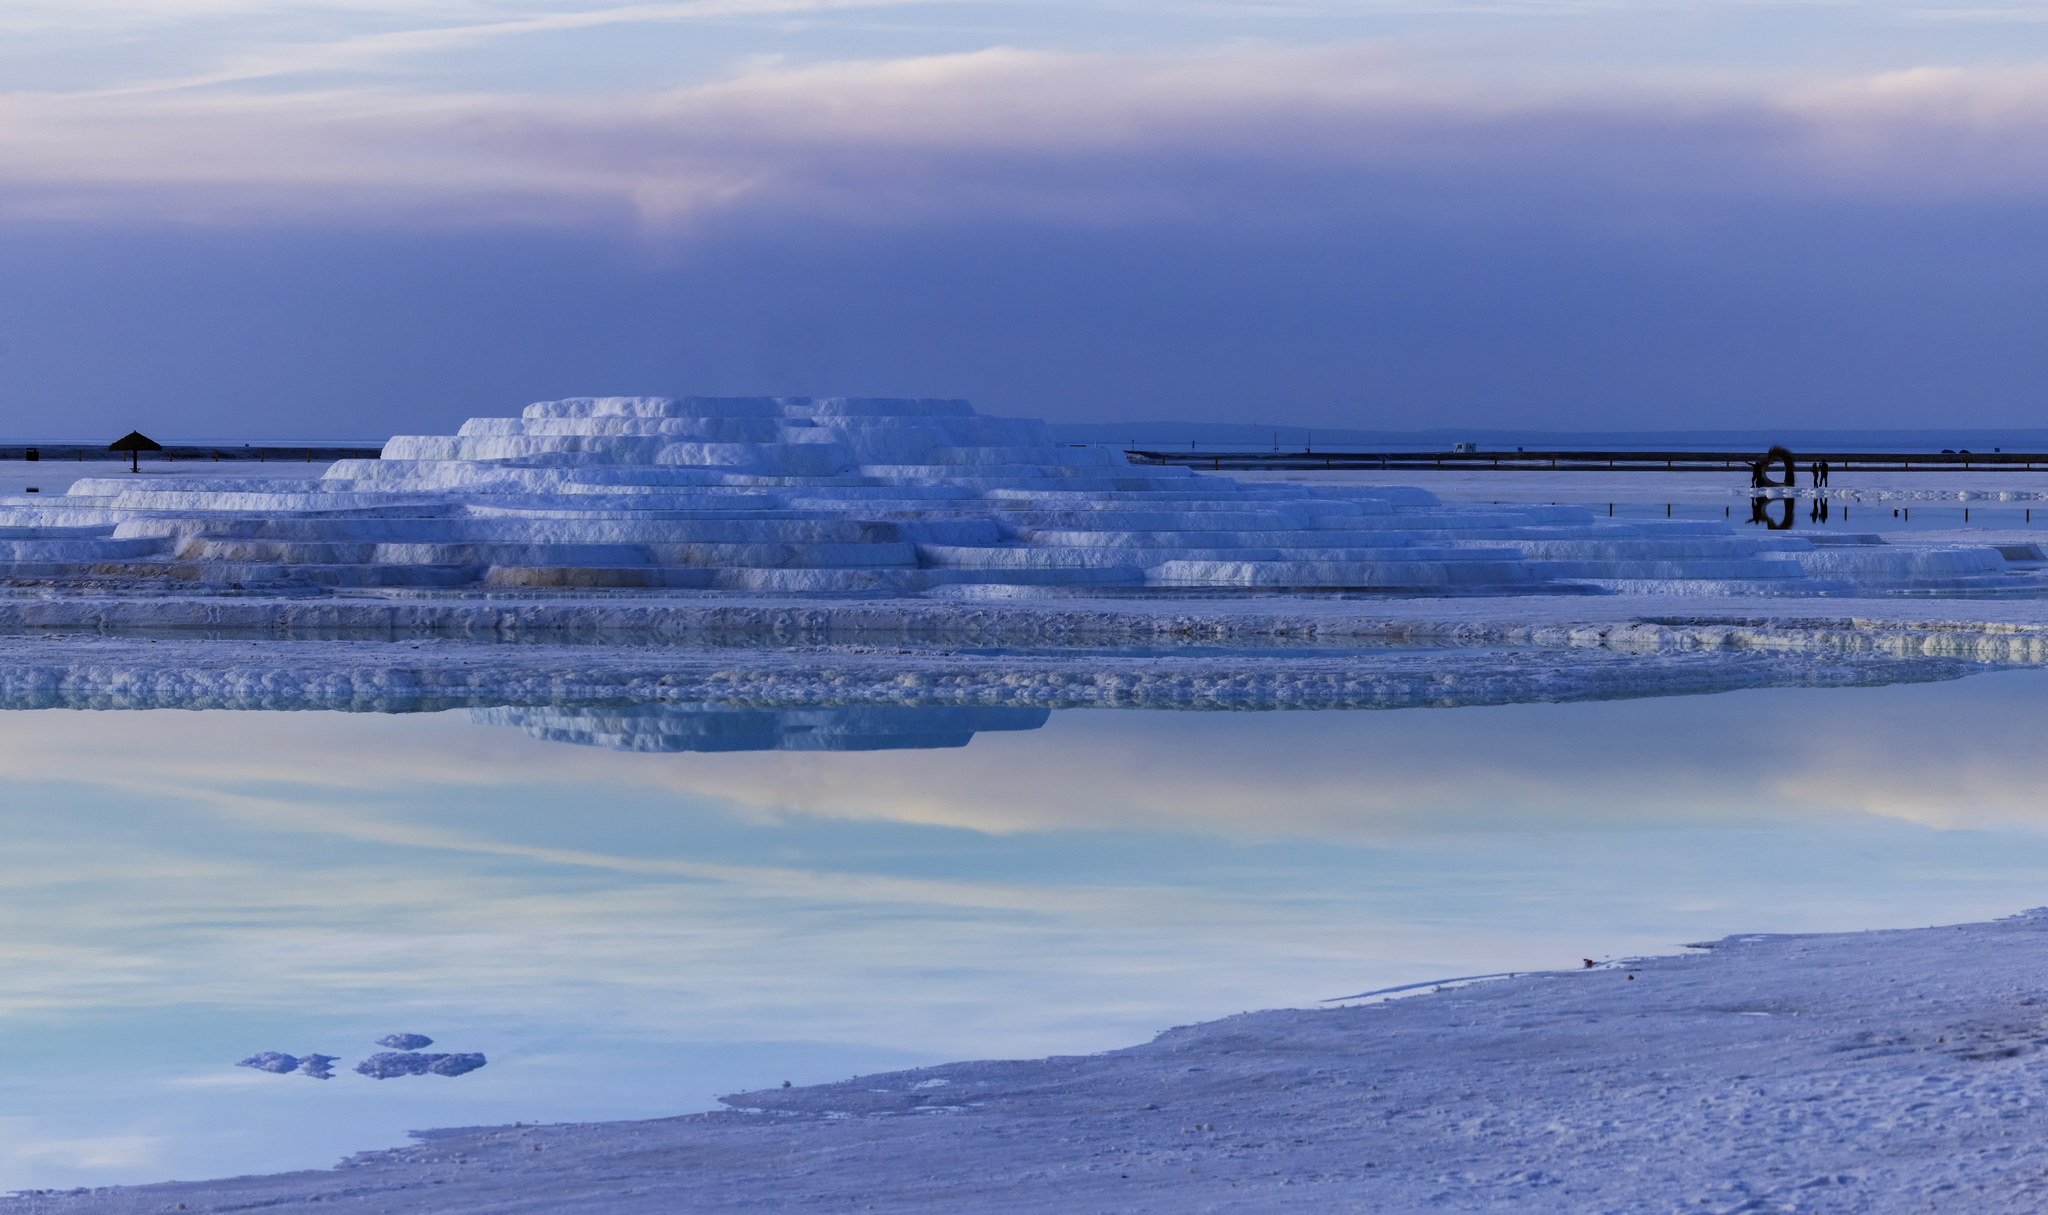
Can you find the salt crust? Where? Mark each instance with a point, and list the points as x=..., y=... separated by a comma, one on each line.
x=320, y=675
x=1278, y=652
x=803, y=495
x=1885, y=1071
x=1864, y=1072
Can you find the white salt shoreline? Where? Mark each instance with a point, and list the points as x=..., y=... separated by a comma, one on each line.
x=1869, y=1072
x=380, y=655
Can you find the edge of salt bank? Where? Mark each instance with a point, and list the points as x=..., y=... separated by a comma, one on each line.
x=408, y=655
x=1876, y=1071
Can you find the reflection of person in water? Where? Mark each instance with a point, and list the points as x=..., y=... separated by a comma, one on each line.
x=1819, y=513
x=1758, y=513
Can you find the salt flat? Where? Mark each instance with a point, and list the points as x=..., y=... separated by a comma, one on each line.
x=1658, y=485
x=1867, y=1072
x=380, y=654
x=785, y=554
x=828, y=495
x=55, y=477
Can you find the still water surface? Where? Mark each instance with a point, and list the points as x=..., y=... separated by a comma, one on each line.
x=627, y=932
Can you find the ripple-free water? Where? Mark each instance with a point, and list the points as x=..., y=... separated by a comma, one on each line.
x=626, y=933
x=1798, y=516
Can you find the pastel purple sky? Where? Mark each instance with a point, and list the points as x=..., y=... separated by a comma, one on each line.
x=286, y=218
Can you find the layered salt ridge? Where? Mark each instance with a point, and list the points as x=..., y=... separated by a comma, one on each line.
x=804, y=494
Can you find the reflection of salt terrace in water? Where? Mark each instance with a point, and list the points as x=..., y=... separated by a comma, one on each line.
x=845, y=494
x=663, y=727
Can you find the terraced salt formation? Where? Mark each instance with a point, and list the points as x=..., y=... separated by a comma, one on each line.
x=801, y=494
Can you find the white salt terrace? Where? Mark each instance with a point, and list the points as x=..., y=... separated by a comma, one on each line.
x=801, y=494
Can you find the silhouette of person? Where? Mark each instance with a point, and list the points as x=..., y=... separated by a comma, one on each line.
x=1823, y=472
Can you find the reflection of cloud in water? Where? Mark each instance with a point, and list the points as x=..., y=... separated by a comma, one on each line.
x=1953, y=754
x=579, y=912
x=713, y=727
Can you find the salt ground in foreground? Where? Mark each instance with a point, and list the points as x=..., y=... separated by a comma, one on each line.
x=1869, y=1072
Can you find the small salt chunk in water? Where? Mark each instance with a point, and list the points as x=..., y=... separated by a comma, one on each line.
x=271, y=1061
x=387, y=1065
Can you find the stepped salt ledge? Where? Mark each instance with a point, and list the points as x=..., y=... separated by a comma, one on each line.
x=803, y=494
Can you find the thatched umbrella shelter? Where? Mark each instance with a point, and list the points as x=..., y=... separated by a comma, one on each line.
x=135, y=443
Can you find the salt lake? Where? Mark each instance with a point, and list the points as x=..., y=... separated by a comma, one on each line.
x=630, y=912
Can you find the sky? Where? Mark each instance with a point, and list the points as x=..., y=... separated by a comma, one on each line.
x=279, y=219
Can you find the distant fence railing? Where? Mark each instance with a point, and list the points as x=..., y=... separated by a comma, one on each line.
x=1589, y=461
x=82, y=452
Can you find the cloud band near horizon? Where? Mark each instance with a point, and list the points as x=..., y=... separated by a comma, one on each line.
x=1273, y=136
x=1499, y=220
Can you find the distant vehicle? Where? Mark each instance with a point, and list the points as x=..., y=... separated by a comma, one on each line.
x=1464, y=448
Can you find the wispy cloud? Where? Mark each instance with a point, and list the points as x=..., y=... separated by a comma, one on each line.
x=111, y=16
x=1077, y=137
x=459, y=31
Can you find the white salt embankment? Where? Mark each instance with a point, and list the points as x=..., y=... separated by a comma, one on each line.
x=381, y=655
x=62, y=672
x=803, y=495
x=1866, y=1072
